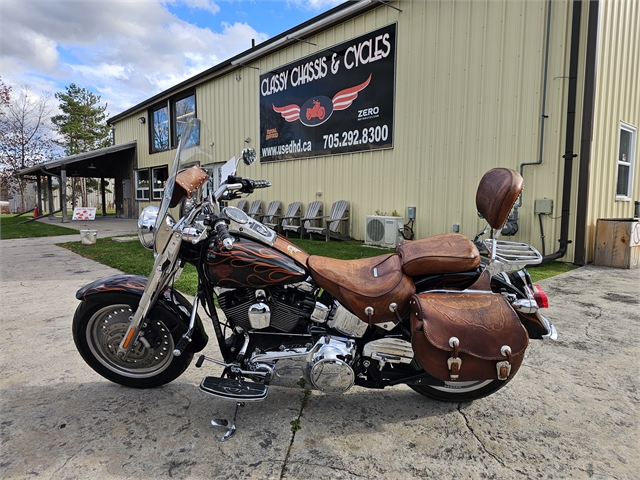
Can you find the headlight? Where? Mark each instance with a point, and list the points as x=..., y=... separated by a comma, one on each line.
x=147, y=226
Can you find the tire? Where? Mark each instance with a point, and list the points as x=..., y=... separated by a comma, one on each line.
x=100, y=324
x=457, y=391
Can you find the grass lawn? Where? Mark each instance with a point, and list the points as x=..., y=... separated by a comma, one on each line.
x=133, y=258
x=10, y=227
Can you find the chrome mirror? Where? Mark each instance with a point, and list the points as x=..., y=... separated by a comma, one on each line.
x=248, y=156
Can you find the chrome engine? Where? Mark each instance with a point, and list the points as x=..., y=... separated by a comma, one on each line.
x=282, y=308
x=326, y=366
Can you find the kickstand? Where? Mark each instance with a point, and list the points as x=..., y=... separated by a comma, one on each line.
x=231, y=429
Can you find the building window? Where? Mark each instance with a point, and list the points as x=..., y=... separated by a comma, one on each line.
x=626, y=159
x=158, y=177
x=169, y=120
x=160, y=129
x=142, y=184
x=184, y=110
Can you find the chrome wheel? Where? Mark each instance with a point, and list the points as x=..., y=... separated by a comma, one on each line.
x=151, y=354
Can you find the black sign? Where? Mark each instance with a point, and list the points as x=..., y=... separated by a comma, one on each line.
x=340, y=100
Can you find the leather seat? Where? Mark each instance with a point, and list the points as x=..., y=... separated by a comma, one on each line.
x=446, y=253
x=370, y=282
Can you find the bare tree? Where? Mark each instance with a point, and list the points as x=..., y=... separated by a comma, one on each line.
x=25, y=138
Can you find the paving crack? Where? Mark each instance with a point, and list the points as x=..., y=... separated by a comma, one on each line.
x=295, y=426
x=484, y=447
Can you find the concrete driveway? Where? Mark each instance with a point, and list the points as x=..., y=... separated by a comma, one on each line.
x=571, y=412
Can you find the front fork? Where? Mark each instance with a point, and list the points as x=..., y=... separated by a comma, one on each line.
x=164, y=267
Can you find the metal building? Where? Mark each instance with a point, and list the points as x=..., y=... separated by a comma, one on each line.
x=407, y=103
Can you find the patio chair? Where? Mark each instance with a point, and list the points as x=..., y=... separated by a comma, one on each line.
x=333, y=222
x=242, y=205
x=309, y=219
x=255, y=209
x=270, y=218
x=290, y=222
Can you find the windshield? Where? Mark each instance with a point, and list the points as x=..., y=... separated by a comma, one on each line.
x=195, y=148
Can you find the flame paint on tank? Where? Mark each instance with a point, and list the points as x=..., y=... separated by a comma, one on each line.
x=251, y=264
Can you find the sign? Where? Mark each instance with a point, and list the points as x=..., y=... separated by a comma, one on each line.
x=84, y=213
x=340, y=100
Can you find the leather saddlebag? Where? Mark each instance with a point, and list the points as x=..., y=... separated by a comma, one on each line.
x=467, y=336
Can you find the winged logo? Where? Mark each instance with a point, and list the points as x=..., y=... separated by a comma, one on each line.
x=317, y=110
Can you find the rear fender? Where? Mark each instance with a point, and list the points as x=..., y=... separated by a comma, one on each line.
x=170, y=300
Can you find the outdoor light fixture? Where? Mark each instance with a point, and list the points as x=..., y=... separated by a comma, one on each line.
x=142, y=120
x=92, y=166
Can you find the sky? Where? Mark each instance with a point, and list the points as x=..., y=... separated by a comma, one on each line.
x=129, y=50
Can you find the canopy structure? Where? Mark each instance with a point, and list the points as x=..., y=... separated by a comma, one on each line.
x=116, y=161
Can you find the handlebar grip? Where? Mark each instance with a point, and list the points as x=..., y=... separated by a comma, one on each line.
x=223, y=234
x=261, y=183
x=182, y=345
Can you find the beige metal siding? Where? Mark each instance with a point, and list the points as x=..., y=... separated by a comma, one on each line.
x=467, y=99
x=617, y=100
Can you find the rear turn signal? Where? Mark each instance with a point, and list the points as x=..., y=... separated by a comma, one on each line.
x=541, y=298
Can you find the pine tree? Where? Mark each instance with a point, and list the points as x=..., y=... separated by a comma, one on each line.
x=83, y=127
x=83, y=121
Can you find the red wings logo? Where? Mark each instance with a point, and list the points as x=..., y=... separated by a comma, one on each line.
x=317, y=110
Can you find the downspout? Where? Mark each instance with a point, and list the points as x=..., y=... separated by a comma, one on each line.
x=580, y=256
x=544, y=116
x=569, y=154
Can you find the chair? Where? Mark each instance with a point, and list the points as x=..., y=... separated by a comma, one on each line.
x=270, y=218
x=309, y=220
x=339, y=213
x=290, y=222
x=242, y=205
x=255, y=209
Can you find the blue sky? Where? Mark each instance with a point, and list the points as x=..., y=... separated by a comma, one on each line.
x=129, y=50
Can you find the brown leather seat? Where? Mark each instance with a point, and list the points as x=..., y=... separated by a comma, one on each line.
x=370, y=282
x=447, y=253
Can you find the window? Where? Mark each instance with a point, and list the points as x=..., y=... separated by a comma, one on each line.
x=160, y=129
x=158, y=177
x=625, y=161
x=169, y=120
x=184, y=110
x=142, y=184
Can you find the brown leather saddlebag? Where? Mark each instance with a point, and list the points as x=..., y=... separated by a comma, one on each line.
x=467, y=336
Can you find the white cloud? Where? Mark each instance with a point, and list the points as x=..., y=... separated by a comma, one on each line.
x=125, y=51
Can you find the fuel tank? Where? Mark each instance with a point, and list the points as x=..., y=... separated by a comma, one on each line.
x=255, y=265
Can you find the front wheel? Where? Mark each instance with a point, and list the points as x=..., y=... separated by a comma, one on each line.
x=457, y=391
x=99, y=326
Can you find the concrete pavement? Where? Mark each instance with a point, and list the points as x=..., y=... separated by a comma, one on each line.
x=571, y=412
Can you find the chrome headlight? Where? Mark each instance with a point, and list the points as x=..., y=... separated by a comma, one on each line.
x=147, y=226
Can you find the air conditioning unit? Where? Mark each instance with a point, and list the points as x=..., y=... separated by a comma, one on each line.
x=383, y=231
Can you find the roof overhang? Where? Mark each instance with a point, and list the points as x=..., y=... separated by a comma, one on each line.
x=94, y=164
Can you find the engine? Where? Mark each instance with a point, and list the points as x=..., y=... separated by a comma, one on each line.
x=283, y=308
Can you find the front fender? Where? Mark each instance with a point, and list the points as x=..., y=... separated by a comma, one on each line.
x=171, y=300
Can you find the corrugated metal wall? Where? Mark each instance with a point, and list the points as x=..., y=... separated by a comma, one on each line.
x=467, y=99
x=617, y=100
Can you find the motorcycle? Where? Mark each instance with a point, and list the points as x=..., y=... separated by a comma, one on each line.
x=447, y=316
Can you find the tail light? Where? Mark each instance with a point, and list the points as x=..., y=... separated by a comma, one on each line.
x=541, y=298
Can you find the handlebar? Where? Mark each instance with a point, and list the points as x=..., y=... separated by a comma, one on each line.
x=223, y=233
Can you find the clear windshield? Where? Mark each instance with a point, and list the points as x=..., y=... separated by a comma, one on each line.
x=195, y=148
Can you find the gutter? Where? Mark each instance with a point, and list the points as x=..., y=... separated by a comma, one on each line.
x=580, y=256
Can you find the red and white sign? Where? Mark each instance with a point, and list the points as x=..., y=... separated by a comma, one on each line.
x=84, y=213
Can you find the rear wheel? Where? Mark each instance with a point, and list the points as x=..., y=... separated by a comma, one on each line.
x=100, y=325
x=457, y=391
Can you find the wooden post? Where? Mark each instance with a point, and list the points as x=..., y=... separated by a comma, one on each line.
x=63, y=194
x=104, y=197
x=39, y=193
x=50, y=194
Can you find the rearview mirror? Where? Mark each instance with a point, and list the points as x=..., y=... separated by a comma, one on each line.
x=248, y=156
